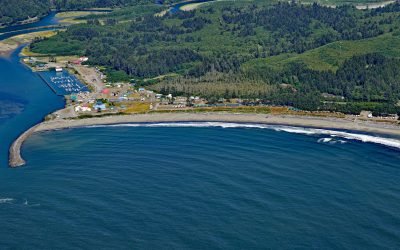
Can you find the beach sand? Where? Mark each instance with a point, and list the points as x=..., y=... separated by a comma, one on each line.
x=16, y=159
x=8, y=45
x=191, y=6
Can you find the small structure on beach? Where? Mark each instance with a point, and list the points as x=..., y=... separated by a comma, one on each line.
x=99, y=107
x=366, y=114
x=82, y=109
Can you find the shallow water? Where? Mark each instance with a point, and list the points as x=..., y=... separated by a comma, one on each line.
x=200, y=187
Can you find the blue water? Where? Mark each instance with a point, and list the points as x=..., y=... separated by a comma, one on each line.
x=200, y=188
x=24, y=98
x=24, y=101
x=63, y=83
x=158, y=187
x=43, y=24
x=47, y=20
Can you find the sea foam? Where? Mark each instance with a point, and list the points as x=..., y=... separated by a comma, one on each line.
x=6, y=200
x=331, y=140
x=390, y=142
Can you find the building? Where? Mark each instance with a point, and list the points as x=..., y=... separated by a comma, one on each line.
x=99, y=106
x=82, y=109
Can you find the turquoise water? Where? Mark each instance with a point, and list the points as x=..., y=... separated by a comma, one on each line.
x=200, y=187
x=179, y=186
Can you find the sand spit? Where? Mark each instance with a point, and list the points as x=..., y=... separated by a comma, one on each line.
x=16, y=159
x=373, y=5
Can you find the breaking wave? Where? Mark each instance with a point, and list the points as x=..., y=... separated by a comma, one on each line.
x=6, y=200
x=390, y=142
x=330, y=140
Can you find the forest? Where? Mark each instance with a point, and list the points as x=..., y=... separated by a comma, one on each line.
x=208, y=52
x=13, y=11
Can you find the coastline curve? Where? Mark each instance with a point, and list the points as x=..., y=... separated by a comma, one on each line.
x=16, y=159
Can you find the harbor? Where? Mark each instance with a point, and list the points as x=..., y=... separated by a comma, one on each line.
x=62, y=82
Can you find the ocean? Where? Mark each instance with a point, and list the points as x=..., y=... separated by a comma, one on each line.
x=200, y=186
x=191, y=185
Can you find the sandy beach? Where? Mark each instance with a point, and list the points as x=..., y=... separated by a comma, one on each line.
x=8, y=45
x=16, y=159
x=373, y=5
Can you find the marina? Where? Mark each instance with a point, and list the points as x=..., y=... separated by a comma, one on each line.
x=61, y=82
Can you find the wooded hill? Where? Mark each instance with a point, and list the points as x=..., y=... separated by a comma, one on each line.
x=12, y=11
x=251, y=50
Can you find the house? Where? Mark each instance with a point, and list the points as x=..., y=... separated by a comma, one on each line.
x=99, y=106
x=82, y=109
x=366, y=114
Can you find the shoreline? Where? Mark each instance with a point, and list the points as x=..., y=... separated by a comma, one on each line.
x=9, y=45
x=16, y=159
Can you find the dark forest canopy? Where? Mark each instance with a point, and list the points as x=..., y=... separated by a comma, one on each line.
x=214, y=43
x=12, y=11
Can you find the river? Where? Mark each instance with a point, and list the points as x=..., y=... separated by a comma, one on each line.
x=24, y=98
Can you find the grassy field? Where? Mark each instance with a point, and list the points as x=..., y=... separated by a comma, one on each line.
x=273, y=110
x=74, y=17
x=331, y=56
x=137, y=107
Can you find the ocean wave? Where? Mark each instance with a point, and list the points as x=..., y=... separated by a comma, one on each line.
x=331, y=140
x=390, y=142
x=6, y=200
x=26, y=203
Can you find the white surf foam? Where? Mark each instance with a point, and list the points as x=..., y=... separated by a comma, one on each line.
x=325, y=140
x=26, y=203
x=6, y=200
x=390, y=142
x=331, y=140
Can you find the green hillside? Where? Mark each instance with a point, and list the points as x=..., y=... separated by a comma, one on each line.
x=246, y=49
x=331, y=56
